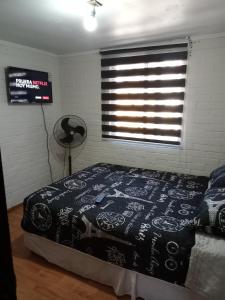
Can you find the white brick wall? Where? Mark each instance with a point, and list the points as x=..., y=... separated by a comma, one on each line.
x=22, y=136
x=204, y=134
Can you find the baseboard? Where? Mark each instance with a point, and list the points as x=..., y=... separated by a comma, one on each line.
x=14, y=207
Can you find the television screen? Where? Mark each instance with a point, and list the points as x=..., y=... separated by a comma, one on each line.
x=27, y=86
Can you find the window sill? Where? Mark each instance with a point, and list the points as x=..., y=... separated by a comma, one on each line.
x=141, y=143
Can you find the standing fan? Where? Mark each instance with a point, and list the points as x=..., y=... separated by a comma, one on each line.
x=70, y=131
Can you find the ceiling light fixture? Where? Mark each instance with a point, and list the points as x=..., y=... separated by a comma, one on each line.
x=90, y=21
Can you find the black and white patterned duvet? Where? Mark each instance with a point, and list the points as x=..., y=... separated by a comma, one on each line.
x=142, y=223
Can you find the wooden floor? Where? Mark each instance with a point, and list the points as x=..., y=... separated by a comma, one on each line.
x=39, y=280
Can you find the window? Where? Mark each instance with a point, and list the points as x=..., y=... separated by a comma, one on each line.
x=143, y=93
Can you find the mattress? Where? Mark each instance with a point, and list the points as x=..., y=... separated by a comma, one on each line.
x=205, y=279
x=143, y=222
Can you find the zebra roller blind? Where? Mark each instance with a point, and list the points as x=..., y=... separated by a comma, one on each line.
x=143, y=93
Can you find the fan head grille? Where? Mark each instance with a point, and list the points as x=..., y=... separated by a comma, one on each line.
x=70, y=131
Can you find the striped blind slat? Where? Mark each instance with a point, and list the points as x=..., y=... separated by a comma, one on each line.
x=151, y=120
x=146, y=48
x=143, y=84
x=144, y=72
x=143, y=92
x=143, y=58
x=141, y=130
x=141, y=96
x=144, y=108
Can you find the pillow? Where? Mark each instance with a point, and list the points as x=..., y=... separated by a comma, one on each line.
x=217, y=171
x=211, y=217
x=217, y=178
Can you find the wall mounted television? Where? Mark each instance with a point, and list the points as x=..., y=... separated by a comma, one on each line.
x=26, y=86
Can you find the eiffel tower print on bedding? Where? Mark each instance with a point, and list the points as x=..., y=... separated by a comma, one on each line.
x=141, y=222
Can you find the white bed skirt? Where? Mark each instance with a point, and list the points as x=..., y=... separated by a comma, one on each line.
x=123, y=281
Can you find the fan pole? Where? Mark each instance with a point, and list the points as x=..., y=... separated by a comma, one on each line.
x=70, y=161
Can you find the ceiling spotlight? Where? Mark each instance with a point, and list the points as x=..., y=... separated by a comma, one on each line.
x=90, y=22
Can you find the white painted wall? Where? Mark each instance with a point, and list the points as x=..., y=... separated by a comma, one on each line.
x=22, y=135
x=204, y=135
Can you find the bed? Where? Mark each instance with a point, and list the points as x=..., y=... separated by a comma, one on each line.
x=140, y=234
